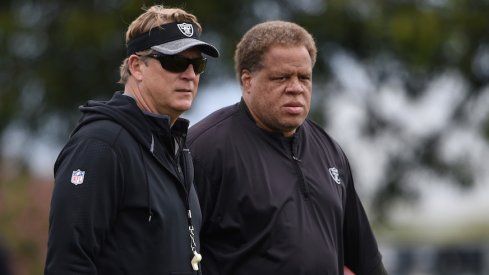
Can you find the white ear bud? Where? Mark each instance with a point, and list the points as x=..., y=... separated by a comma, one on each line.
x=196, y=260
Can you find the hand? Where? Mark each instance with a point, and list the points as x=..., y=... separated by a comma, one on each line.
x=347, y=271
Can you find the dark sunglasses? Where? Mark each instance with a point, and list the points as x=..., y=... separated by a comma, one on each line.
x=178, y=64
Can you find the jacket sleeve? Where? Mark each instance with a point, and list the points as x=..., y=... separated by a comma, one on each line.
x=83, y=205
x=361, y=252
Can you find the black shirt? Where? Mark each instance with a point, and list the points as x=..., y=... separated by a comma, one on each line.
x=275, y=205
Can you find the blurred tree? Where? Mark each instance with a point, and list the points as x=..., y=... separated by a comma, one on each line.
x=54, y=55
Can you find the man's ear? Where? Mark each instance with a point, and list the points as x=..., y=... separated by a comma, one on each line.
x=246, y=80
x=134, y=64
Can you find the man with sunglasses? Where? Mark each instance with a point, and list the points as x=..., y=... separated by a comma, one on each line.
x=124, y=200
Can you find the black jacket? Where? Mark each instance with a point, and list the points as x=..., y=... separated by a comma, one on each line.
x=275, y=205
x=121, y=195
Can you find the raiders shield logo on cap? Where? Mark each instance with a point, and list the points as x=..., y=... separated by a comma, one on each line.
x=186, y=29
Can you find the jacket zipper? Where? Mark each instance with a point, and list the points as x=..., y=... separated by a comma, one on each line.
x=184, y=180
x=302, y=181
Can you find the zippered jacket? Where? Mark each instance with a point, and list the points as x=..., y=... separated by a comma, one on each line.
x=276, y=205
x=122, y=196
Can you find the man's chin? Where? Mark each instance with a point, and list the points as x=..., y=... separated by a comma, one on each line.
x=293, y=123
x=184, y=106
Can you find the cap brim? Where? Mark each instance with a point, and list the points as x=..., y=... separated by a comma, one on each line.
x=178, y=46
